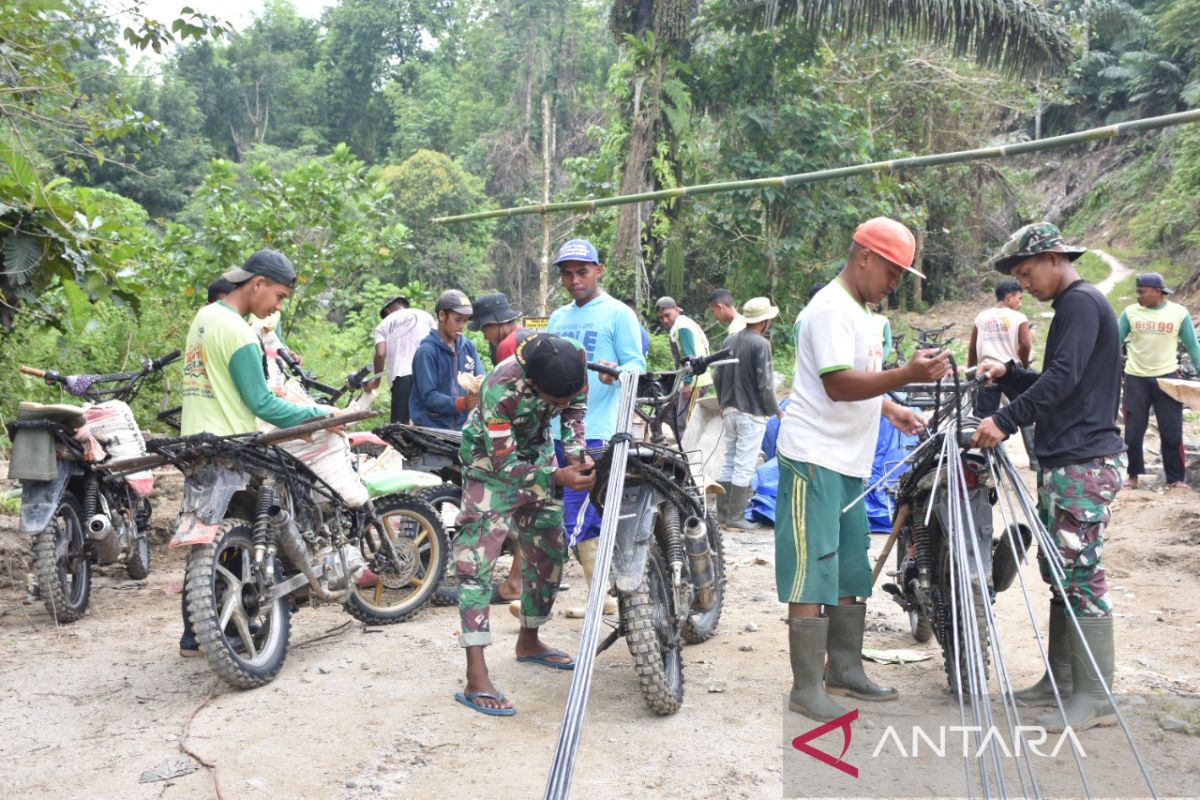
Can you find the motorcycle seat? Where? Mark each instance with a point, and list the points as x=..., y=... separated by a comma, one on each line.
x=62, y=413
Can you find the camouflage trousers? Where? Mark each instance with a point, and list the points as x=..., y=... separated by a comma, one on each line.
x=492, y=511
x=1074, y=501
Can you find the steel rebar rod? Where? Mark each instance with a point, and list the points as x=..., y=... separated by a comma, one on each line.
x=562, y=768
x=1059, y=583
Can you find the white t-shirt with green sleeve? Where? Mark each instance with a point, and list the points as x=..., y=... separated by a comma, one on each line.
x=833, y=332
x=224, y=390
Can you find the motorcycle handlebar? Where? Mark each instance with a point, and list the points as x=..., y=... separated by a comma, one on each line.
x=169, y=358
x=603, y=369
x=699, y=364
x=693, y=365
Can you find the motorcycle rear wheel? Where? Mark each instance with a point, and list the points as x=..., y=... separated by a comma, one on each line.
x=223, y=592
x=701, y=627
x=657, y=650
x=401, y=589
x=61, y=563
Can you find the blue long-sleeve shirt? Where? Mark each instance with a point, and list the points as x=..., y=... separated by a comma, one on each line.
x=609, y=331
x=435, y=381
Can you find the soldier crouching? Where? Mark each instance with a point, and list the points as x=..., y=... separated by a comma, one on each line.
x=509, y=475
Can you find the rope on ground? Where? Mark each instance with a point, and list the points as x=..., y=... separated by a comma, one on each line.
x=211, y=766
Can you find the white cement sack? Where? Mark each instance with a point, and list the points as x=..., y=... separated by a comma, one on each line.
x=327, y=454
x=113, y=425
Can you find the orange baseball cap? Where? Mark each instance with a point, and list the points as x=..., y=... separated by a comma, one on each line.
x=891, y=240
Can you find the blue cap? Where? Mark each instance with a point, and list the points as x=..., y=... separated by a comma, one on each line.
x=577, y=250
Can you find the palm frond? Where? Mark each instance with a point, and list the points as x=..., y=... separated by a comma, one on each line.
x=1017, y=36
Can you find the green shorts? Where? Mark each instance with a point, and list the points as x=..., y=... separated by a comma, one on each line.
x=820, y=553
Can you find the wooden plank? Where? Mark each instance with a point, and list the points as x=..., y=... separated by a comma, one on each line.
x=1186, y=392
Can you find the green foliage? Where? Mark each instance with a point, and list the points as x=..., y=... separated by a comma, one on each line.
x=323, y=213
x=368, y=43
x=430, y=184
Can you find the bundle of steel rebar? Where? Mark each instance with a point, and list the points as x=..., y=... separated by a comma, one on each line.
x=562, y=768
x=973, y=629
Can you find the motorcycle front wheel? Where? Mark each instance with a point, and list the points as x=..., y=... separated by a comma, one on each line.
x=654, y=643
x=244, y=639
x=60, y=561
x=447, y=502
x=918, y=621
x=408, y=567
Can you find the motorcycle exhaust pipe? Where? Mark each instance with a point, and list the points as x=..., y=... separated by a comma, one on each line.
x=99, y=527
x=297, y=553
x=704, y=580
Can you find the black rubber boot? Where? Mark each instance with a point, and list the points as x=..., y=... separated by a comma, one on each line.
x=1088, y=705
x=1058, y=650
x=806, y=643
x=844, y=674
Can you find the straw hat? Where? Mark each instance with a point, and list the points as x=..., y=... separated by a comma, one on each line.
x=759, y=309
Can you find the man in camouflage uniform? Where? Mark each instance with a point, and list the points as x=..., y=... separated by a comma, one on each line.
x=1082, y=457
x=509, y=475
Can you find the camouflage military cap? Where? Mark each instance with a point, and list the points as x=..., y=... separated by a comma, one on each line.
x=1037, y=237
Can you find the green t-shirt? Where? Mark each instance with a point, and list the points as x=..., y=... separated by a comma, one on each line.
x=224, y=390
x=1152, y=336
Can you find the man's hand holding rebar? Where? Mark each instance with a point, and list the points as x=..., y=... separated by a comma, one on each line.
x=927, y=365
x=579, y=477
x=990, y=370
x=988, y=434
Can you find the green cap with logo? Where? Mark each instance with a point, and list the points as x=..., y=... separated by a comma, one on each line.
x=1037, y=237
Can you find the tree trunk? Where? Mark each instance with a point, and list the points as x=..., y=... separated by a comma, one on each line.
x=547, y=163
x=642, y=134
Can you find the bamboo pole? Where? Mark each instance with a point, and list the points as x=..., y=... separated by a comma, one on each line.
x=786, y=181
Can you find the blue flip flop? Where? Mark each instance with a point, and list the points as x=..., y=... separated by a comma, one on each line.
x=468, y=699
x=544, y=660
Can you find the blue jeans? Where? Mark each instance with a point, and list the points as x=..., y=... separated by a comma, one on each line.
x=743, y=442
x=580, y=518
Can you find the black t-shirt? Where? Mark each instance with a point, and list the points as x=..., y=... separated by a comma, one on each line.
x=1074, y=399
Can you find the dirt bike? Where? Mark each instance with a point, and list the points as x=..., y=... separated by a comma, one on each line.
x=268, y=535
x=323, y=393
x=668, y=564
x=78, y=514
x=923, y=574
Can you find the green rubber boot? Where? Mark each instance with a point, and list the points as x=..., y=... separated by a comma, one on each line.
x=1058, y=650
x=1088, y=705
x=806, y=643
x=738, y=502
x=844, y=674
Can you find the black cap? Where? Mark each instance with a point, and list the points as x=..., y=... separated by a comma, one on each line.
x=553, y=364
x=383, y=310
x=453, y=300
x=271, y=264
x=1152, y=280
x=219, y=288
x=492, y=308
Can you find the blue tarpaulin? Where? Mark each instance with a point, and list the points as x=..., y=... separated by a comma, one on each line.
x=891, y=448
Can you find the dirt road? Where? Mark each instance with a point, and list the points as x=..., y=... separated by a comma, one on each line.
x=367, y=712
